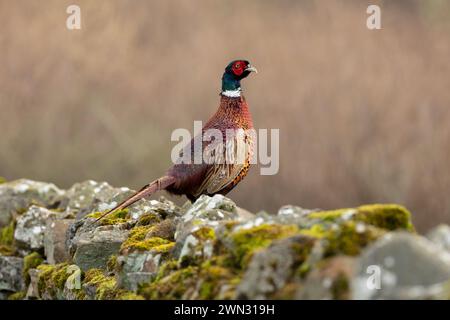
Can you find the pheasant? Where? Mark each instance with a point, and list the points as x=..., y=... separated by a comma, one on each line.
x=215, y=176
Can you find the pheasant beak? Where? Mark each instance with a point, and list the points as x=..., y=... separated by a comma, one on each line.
x=251, y=68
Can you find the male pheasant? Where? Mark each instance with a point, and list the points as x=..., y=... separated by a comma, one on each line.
x=215, y=176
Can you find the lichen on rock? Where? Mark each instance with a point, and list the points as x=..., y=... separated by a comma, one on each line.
x=52, y=247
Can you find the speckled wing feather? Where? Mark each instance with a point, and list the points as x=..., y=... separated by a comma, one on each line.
x=230, y=162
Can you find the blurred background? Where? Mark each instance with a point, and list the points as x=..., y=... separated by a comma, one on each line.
x=364, y=116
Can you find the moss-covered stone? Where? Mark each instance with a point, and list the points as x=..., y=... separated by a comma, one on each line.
x=7, y=247
x=106, y=287
x=137, y=241
x=164, y=229
x=213, y=278
x=340, y=288
x=51, y=279
x=205, y=233
x=30, y=261
x=17, y=295
x=205, y=281
x=111, y=265
x=148, y=219
x=172, y=286
x=385, y=216
x=7, y=250
x=7, y=234
x=347, y=238
x=247, y=241
x=166, y=268
x=120, y=216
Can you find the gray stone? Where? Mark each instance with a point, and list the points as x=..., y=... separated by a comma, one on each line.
x=31, y=226
x=16, y=196
x=136, y=268
x=206, y=211
x=33, y=292
x=290, y=214
x=73, y=284
x=402, y=266
x=440, y=235
x=213, y=208
x=270, y=269
x=194, y=247
x=93, y=249
x=244, y=214
x=328, y=280
x=55, y=240
x=91, y=196
x=85, y=197
x=11, y=274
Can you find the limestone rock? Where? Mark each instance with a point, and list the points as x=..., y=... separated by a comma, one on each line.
x=11, y=274
x=33, y=292
x=328, y=280
x=31, y=227
x=93, y=249
x=272, y=268
x=402, y=266
x=55, y=240
x=440, y=235
x=17, y=196
x=91, y=196
x=84, y=197
x=137, y=268
x=206, y=212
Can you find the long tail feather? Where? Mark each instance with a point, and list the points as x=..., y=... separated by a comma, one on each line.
x=146, y=191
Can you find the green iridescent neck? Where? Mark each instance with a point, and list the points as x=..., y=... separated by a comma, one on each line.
x=230, y=83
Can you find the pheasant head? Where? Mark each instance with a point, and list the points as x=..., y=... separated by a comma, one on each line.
x=234, y=73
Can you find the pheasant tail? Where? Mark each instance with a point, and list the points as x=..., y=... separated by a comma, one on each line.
x=146, y=191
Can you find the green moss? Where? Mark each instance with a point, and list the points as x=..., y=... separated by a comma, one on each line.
x=52, y=278
x=17, y=295
x=127, y=295
x=7, y=234
x=205, y=281
x=148, y=219
x=105, y=287
x=7, y=250
x=111, y=265
x=205, y=290
x=120, y=216
x=205, y=233
x=385, y=216
x=347, y=238
x=166, y=268
x=3, y=180
x=7, y=247
x=173, y=286
x=212, y=278
x=60, y=276
x=247, y=241
x=340, y=288
x=137, y=241
x=30, y=261
x=317, y=231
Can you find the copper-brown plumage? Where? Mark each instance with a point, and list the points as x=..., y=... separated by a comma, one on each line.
x=221, y=177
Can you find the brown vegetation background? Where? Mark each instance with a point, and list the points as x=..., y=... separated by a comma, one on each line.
x=364, y=116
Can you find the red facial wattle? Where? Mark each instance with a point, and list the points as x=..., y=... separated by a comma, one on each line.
x=238, y=68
